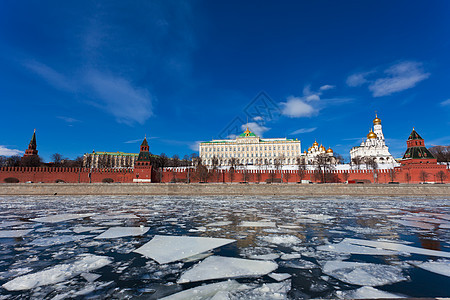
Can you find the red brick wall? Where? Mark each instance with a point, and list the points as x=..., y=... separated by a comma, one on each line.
x=72, y=175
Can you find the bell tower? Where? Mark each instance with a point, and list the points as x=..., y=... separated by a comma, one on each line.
x=32, y=146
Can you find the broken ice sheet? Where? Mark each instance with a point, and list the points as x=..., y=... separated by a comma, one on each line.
x=217, y=267
x=344, y=247
x=441, y=267
x=61, y=218
x=165, y=249
x=271, y=256
x=58, y=273
x=118, y=232
x=396, y=247
x=81, y=229
x=57, y=240
x=14, y=233
x=219, y=223
x=280, y=276
x=366, y=292
x=206, y=291
x=416, y=224
x=257, y=224
x=366, y=274
x=11, y=223
x=267, y=291
x=90, y=277
x=284, y=240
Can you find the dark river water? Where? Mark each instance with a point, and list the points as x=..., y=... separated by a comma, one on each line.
x=315, y=247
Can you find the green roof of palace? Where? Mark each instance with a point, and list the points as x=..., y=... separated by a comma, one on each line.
x=247, y=134
x=115, y=153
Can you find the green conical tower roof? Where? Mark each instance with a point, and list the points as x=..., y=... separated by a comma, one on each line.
x=414, y=135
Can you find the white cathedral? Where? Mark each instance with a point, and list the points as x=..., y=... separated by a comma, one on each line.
x=374, y=147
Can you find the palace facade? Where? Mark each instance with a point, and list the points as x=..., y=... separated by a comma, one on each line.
x=113, y=160
x=374, y=147
x=250, y=149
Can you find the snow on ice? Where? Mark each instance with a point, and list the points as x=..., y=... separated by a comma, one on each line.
x=14, y=233
x=441, y=267
x=118, y=232
x=59, y=273
x=206, y=291
x=60, y=218
x=217, y=267
x=165, y=249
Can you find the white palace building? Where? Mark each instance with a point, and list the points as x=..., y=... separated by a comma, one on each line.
x=249, y=149
x=374, y=147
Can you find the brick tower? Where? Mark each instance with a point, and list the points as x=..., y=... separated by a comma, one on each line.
x=416, y=151
x=32, y=146
x=142, y=166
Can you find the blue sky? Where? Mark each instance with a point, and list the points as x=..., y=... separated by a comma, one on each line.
x=100, y=75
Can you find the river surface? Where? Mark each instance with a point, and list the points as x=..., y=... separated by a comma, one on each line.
x=291, y=247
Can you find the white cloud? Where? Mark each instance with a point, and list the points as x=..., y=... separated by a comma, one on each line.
x=255, y=127
x=327, y=87
x=4, y=151
x=257, y=118
x=119, y=97
x=295, y=107
x=401, y=76
x=446, y=102
x=68, y=119
x=314, y=97
x=195, y=146
x=52, y=77
x=304, y=130
x=357, y=79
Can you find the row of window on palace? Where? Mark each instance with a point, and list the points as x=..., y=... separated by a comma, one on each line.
x=227, y=155
x=250, y=148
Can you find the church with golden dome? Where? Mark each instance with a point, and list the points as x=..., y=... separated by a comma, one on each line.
x=316, y=150
x=374, y=147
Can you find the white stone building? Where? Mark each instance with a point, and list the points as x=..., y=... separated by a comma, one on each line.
x=374, y=147
x=249, y=149
x=114, y=160
x=316, y=150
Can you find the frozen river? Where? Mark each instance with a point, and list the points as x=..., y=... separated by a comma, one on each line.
x=223, y=247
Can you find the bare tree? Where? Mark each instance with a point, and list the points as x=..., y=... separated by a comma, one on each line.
x=13, y=161
x=423, y=176
x=301, y=167
x=442, y=153
x=371, y=163
x=323, y=165
x=2, y=161
x=392, y=174
x=441, y=175
x=408, y=177
x=57, y=159
x=357, y=161
x=345, y=176
x=31, y=161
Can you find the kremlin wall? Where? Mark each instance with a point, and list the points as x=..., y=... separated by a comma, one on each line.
x=418, y=165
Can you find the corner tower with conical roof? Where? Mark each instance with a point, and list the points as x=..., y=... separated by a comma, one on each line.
x=142, y=166
x=416, y=149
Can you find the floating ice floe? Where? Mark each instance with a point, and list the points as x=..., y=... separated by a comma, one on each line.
x=267, y=291
x=318, y=217
x=366, y=292
x=59, y=273
x=288, y=256
x=14, y=233
x=416, y=224
x=220, y=223
x=115, y=216
x=11, y=223
x=298, y=264
x=257, y=224
x=365, y=274
x=57, y=240
x=208, y=291
x=285, y=240
x=280, y=276
x=396, y=247
x=118, y=232
x=90, y=277
x=441, y=267
x=344, y=247
x=217, y=267
x=81, y=229
x=270, y=256
x=290, y=226
x=60, y=218
x=165, y=249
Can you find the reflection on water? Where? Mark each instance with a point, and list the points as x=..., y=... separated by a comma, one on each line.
x=286, y=230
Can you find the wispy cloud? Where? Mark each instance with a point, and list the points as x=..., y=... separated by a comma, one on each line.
x=327, y=87
x=5, y=151
x=296, y=107
x=68, y=119
x=398, y=77
x=52, y=77
x=120, y=98
x=357, y=79
x=139, y=140
x=401, y=76
x=445, y=102
x=194, y=146
x=303, y=130
x=255, y=127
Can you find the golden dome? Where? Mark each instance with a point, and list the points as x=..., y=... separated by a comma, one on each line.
x=376, y=121
x=371, y=135
x=329, y=150
x=322, y=148
x=305, y=151
x=315, y=144
x=309, y=149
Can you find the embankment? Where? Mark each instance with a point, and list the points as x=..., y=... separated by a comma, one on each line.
x=225, y=189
